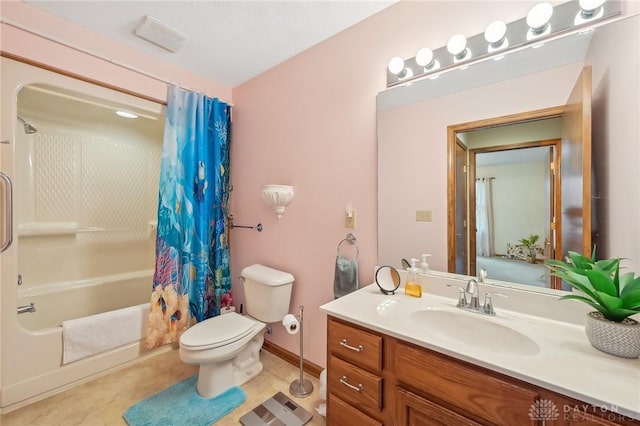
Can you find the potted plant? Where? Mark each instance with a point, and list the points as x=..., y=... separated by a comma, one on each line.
x=531, y=247
x=615, y=297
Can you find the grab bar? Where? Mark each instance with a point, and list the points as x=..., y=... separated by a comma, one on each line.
x=27, y=309
x=8, y=239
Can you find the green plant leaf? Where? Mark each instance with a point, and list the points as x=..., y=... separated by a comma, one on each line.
x=619, y=314
x=608, y=265
x=597, y=306
x=602, y=282
x=631, y=300
x=579, y=261
x=629, y=283
x=608, y=301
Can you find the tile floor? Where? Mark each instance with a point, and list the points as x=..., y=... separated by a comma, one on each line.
x=102, y=401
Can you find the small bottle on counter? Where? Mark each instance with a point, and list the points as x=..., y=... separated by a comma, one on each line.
x=412, y=286
x=424, y=266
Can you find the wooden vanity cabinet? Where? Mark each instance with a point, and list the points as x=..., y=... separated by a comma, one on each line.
x=375, y=379
x=354, y=375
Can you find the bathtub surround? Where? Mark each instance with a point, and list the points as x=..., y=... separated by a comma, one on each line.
x=180, y=404
x=192, y=256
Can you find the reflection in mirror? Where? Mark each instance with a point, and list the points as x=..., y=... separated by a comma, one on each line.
x=388, y=279
x=413, y=123
x=510, y=194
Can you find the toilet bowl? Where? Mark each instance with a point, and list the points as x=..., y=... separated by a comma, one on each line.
x=227, y=348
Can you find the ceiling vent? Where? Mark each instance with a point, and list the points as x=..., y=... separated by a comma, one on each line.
x=161, y=34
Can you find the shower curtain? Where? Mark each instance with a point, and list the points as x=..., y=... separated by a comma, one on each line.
x=191, y=279
x=484, y=218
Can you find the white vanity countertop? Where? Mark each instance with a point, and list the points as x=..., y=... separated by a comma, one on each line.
x=555, y=355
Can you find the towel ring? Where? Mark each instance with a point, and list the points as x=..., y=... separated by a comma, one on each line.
x=351, y=239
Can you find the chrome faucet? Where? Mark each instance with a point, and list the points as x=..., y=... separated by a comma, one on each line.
x=472, y=290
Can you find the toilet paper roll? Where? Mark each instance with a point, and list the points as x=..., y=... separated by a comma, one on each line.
x=291, y=324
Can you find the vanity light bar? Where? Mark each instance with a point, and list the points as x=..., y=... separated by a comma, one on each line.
x=566, y=18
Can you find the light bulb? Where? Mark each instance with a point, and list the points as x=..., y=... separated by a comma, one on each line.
x=495, y=35
x=539, y=16
x=424, y=57
x=396, y=65
x=457, y=46
x=590, y=6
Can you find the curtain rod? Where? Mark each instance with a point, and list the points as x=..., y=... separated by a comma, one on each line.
x=51, y=38
x=490, y=177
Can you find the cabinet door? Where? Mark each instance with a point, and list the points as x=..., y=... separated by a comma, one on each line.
x=457, y=384
x=413, y=410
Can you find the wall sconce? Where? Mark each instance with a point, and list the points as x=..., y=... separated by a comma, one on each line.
x=543, y=22
x=277, y=197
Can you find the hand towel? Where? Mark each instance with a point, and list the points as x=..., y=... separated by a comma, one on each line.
x=346, y=276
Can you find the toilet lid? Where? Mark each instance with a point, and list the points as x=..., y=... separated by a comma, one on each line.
x=217, y=331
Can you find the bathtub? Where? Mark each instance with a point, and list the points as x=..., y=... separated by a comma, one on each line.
x=57, y=302
x=36, y=338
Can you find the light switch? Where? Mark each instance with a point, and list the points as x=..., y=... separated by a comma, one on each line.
x=423, y=215
x=350, y=219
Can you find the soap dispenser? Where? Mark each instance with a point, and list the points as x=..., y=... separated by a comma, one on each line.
x=413, y=287
x=424, y=266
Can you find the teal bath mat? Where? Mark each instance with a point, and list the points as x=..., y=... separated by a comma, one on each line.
x=180, y=404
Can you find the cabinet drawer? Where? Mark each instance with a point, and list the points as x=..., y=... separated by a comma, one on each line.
x=355, y=345
x=461, y=385
x=340, y=413
x=355, y=386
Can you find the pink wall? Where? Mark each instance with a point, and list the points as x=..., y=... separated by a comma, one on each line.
x=25, y=45
x=311, y=122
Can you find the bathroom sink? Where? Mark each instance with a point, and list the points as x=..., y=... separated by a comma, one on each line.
x=475, y=330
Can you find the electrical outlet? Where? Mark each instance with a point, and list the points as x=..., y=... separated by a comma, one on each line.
x=423, y=215
x=350, y=222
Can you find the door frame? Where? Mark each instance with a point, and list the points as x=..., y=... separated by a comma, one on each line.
x=452, y=131
x=554, y=190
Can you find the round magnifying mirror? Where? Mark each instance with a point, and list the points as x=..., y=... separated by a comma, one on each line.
x=388, y=279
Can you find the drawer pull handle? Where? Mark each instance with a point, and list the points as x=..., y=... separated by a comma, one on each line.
x=345, y=382
x=343, y=342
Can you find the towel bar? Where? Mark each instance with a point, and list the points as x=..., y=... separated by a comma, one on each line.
x=351, y=239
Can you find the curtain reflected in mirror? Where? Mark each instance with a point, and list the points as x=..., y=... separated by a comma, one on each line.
x=485, y=245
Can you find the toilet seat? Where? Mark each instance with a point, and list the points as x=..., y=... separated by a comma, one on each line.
x=217, y=331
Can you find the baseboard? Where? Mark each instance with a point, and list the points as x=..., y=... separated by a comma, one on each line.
x=292, y=358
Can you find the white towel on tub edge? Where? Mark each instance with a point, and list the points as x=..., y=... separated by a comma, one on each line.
x=83, y=337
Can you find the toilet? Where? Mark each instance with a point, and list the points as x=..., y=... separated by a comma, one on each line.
x=227, y=347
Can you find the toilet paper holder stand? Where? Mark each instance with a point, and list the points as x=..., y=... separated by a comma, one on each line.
x=301, y=387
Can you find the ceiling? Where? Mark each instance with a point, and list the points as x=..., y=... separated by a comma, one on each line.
x=230, y=42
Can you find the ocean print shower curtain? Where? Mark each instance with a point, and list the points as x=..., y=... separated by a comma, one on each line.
x=191, y=280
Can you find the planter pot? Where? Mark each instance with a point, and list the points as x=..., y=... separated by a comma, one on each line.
x=615, y=338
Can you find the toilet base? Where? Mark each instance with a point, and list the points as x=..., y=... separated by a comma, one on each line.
x=218, y=376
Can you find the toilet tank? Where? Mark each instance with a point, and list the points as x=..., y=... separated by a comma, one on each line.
x=267, y=292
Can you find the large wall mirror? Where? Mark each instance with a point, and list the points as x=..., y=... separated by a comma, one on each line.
x=507, y=125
